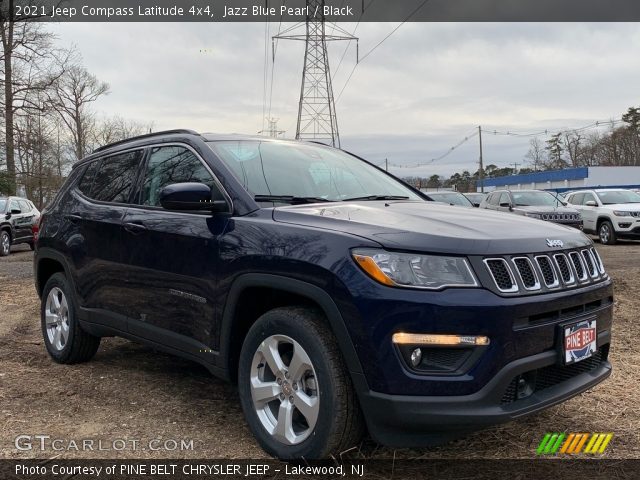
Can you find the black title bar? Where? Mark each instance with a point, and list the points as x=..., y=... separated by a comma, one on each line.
x=331, y=10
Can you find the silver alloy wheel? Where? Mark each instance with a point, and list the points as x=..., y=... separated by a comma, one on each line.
x=6, y=244
x=56, y=312
x=604, y=233
x=284, y=389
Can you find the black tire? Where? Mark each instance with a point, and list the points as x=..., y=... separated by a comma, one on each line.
x=339, y=424
x=5, y=239
x=606, y=233
x=79, y=346
x=32, y=246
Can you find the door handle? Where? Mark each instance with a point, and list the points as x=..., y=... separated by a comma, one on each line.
x=135, y=228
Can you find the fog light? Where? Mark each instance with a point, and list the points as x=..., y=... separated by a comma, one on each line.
x=416, y=356
x=426, y=339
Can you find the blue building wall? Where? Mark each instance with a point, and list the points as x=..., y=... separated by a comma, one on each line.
x=578, y=173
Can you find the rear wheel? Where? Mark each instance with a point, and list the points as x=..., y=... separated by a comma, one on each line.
x=295, y=391
x=64, y=339
x=5, y=243
x=606, y=233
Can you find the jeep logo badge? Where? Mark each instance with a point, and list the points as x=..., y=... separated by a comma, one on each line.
x=555, y=243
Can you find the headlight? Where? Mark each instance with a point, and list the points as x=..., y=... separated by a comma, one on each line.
x=415, y=271
x=533, y=215
x=621, y=214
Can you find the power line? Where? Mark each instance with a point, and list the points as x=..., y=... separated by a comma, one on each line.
x=548, y=131
x=444, y=155
x=273, y=62
x=377, y=45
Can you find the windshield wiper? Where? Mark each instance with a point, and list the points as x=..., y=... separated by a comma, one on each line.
x=293, y=200
x=376, y=197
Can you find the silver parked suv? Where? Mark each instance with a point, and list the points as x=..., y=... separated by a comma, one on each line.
x=609, y=213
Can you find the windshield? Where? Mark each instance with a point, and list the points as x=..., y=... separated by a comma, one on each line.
x=3, y=204
x=453, y=198
x=528, y=199
x=289, y=169
x=618, y=196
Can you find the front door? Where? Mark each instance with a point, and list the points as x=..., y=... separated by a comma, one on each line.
x=172, y=257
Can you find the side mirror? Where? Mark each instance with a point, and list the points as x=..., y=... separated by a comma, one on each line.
x=591, y=203
x=190, y=196
x=505, y=205
x=8, y=215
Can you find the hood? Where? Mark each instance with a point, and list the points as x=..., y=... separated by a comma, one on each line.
x=624, y=207
x=433, y=227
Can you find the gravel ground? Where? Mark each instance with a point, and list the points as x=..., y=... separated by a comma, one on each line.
x=130, y=391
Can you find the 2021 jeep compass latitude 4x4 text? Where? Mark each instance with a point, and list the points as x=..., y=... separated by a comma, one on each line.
x=338, y=298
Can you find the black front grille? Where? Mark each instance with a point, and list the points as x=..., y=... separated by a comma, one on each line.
x=527, y=383
x=563, y=266
x=590, y=266
x=526, y=272
x=577, y=264
x=548, y=273
x=501, y=275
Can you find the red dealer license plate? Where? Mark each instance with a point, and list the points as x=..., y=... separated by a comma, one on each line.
x=579, y=341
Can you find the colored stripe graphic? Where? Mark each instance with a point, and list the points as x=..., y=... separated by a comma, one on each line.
x=573, y=443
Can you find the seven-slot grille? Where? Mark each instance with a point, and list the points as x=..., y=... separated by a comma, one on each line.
x=554, y=271
x=561, y=217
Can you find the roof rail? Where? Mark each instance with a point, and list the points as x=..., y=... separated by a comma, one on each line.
x=146, y=135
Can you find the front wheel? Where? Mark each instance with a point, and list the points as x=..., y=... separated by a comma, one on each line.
x=606, y=233
x=295, y=391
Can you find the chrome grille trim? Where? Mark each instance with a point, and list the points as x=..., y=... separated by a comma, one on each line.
x=514, y=287
x=565, y=261
x=576, y=257
x=590, y=262
x=556, y=278
x=599, y=263
x=536, y=284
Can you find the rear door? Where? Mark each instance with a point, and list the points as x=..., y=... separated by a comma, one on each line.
x=100, y=202
x=171, y=258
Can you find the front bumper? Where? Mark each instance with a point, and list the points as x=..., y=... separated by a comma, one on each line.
x=415, y=421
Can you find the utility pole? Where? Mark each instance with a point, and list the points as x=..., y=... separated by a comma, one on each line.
x=386, y=164
x=515, y=167
x=317, y=119
x=481, y=170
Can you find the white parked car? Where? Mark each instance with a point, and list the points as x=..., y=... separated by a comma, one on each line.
x=610, y=213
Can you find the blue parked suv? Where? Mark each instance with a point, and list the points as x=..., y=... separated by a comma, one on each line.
x=337, y=297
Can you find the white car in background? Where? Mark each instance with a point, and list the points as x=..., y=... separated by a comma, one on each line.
x=612, y=214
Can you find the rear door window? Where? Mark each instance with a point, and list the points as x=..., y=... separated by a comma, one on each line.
x=116, y=176
x=14, y=207
x=24, y=206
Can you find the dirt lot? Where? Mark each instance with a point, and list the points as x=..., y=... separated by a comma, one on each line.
x=132, y=392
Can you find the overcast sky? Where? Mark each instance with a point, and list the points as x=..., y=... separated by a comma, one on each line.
x=418, y=94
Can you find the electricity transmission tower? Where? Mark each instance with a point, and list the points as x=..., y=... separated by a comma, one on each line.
x=272, y=129
x=317, y=119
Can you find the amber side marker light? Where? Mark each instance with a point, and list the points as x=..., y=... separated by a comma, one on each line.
x=429, y=339
x=369, y=266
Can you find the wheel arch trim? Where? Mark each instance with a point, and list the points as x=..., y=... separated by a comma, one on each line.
x=300, y=288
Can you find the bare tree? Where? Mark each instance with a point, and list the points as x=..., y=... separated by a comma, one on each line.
x=71, y=96
x=537, y=154
x=29, y=62
x=114, y=129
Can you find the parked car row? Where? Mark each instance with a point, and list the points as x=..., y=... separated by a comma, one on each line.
x=611, y=214
x=18, y=223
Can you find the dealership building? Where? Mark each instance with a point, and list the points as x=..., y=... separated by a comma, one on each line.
x=568, y=179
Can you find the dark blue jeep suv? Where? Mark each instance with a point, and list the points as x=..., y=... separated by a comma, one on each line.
x=337, y=297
